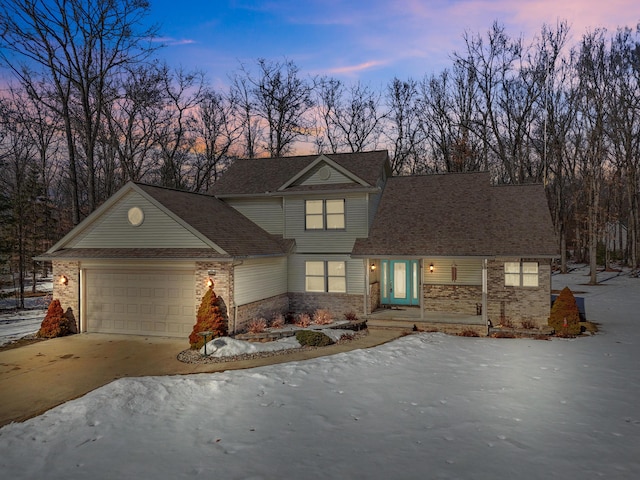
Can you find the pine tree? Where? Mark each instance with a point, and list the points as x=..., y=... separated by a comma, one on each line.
x=55, y=323
x=209, y=319
x=565, y=315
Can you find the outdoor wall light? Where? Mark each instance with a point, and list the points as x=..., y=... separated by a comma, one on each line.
x=373, y=267
x=431, y=268
x=210, y=282
x=63, y=280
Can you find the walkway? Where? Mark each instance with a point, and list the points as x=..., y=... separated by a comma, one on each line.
x=40, y=376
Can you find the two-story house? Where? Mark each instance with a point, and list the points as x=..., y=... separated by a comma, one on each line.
x=300, y=233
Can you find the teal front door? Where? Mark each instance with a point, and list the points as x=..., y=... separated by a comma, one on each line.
x=400, y=282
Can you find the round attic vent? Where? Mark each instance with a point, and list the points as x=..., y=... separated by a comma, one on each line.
x=135, y=216
x=324, y=173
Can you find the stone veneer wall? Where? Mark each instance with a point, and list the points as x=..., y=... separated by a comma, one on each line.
x=337, y=303
x=515, y=304
x=452, y=298
x=374, y=297
x=265, y=308
x=69, y=294
x=222, y=285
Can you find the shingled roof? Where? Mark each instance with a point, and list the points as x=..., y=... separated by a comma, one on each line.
x=459, y=215
x=261, y=175
x=222, y=224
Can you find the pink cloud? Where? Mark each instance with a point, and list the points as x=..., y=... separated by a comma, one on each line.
x=353, y=69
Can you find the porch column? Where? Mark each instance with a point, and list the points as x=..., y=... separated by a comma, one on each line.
x=366, y=287
x=485, y=314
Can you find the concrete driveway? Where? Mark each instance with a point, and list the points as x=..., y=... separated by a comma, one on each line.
x=37, y=377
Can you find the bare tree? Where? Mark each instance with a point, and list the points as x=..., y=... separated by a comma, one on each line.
x=352, y=117
x=66, y=53
x=283, y=101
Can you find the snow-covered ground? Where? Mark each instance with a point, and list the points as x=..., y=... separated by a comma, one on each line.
x=424, y=406
x=15, y=324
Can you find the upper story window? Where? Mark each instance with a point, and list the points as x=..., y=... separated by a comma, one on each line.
x=324, y=214
x=521, y=274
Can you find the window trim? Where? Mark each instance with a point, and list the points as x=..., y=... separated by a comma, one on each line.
x=325, y=276
x=522, y=276
x=325, y=215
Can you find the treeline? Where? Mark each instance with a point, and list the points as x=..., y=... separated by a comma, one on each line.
x=91, y=108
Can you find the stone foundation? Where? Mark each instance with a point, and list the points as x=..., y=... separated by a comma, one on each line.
x=337, y=303
x=265, y=308
x=452, y=298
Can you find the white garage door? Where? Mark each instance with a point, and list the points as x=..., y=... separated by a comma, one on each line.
x=148, y=302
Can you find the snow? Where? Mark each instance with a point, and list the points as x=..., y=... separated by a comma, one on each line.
x=424, y=406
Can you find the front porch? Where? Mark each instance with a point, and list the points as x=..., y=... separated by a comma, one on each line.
x=410, y=318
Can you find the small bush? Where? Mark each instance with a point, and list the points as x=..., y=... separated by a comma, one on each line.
x=55, y=323
x=565, y=316
x=257, y=325
x=209, y=319
x=277, y=321
x=506, y=323
x=468, y=333
x=313, y=339
x=302, y=320
x=528, y=324
x=322, y=317
x=351, y=316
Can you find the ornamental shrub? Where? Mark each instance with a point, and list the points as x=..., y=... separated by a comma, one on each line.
x=565, y=316
x=277, y=321
x=312, y=338
x=322, y=317
x=209, y=319
x=55, y=323
x=302, y=320
x=257, y=325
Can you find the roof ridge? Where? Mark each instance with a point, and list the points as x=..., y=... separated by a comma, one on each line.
x=173, y=189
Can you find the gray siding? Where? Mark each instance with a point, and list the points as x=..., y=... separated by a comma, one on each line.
x=259, y=279
x=329, y=241
x=265, y=212
x=315, y=176
x=113, y=230
x=354, y=267
x=469, y=271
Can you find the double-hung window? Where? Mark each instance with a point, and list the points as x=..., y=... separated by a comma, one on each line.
x=324, y=214
x=325, y=276
x=521, y=274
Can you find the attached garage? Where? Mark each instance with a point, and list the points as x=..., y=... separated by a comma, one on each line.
x=140, y=302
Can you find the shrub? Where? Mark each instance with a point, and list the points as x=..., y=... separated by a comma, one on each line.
x=468, y=333
x=565, y=316
x=302, y=320
x=313, y=339
x=528, y=324
x=322, y=317
x=277, y=321
x=209, y=318
x=257, y=325
x=55, y=323
x=506, y=323
x=351, y=316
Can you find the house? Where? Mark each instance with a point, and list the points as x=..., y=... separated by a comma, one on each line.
x=331, y=231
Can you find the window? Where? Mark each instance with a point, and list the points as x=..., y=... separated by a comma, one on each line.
x=521, y=274
x=325, y=276
x=324, y=214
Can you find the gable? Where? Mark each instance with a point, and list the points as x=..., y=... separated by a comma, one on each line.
x=323, y=174
x=112, y=229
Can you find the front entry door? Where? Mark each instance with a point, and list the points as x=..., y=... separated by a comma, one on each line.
x=400, y=282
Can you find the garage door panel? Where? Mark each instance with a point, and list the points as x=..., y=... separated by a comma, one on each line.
x=145, y=303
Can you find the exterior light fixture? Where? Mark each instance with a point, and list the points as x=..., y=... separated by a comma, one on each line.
x=373, y=267
x=210, y=282
x=63, y=280
x=431, y=268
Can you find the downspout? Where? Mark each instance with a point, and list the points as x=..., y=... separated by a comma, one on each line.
x=485, y=316
x=366, y=286
x=421, y=273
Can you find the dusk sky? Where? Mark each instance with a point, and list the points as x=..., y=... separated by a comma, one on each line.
x=372, y=40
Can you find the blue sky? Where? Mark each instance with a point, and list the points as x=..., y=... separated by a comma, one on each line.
x=368, y=40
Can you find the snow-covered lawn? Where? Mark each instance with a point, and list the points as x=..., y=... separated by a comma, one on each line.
x=427, y=406
x=16, y=324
